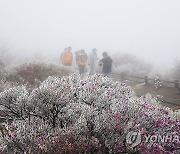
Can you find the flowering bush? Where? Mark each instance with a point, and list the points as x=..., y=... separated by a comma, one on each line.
x=91, y=114
x=13, y=102
x=35, y=72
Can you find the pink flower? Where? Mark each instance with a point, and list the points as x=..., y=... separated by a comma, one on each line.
x=126, y=106
x=92, y=86
x=117, y=115
x=83, y=83
x=119, y=147
x=13, y=135
x=143, y=147
x=40, y=139
x=85, y=145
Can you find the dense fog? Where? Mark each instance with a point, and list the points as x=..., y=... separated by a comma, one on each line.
x=149, y=30
x=89, y=76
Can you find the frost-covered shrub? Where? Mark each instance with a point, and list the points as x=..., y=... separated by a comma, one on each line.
x=48, y=100
x=38, y=137
x=35, y=72
x=55, y=93
x=89, y=115
x=6, y=85
x=13, y=102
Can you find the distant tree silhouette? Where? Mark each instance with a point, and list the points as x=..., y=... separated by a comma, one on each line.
x=130, y=64
x=176, y=70
x=3, y=58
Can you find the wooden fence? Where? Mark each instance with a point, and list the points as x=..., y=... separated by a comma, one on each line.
x=146, y=80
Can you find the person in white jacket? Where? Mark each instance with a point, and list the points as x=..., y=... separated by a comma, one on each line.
x=93, y=61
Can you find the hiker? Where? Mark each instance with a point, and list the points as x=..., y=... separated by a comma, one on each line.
x=81, y=60
x=93, y=61
x=106, y=62
x=67, y=57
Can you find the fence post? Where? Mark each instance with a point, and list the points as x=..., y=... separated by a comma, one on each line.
x=146, y=80
x=176, y=84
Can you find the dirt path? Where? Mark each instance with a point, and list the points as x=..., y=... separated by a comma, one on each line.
x=171, y=97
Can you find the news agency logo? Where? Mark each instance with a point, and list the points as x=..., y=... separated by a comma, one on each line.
x=135, y=138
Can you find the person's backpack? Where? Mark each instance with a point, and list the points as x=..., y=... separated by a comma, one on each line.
x=82, y=59
x=66, y=58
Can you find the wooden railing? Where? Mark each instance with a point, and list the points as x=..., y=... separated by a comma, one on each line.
x=175, y=108
x=146, y=80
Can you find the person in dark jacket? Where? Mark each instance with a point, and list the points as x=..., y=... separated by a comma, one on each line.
x=106, y=62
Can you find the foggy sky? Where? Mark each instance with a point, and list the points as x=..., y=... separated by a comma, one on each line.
x=149, y=29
